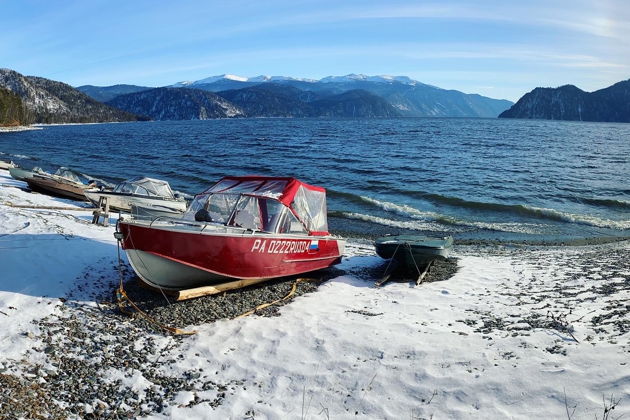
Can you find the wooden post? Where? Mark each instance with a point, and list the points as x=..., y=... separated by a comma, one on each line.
x=102, y=210
x=106, y=215
x=97, y=213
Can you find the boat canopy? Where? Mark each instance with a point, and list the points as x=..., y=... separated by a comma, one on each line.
x=68, y=174
x=258, y=202
x=145, y=186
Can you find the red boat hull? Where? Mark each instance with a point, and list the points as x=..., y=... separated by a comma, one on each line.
x=173, y=258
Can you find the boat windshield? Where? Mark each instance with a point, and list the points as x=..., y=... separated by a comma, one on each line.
x=145, y=186
x=245, y=211
x=69, y=174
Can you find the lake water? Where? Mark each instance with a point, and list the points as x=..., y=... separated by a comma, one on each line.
x=472, y=178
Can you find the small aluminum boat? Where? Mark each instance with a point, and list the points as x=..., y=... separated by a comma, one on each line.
x=413, y=250
x=141, y=192
x=242, y=228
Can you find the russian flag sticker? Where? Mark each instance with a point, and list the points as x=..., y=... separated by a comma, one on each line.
x=314, y=246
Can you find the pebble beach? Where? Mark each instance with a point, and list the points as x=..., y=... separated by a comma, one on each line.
x=498, y=331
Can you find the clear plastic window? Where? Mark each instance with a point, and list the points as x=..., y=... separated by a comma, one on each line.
x=68, y=174
x=247, y=214
x=271, y=212
x=223, y=185
x=290, y=224
x=220, y=206
x=311, y=207
x=211, y=207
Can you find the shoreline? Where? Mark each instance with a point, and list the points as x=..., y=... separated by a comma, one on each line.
x=41, y=126
x=4, y=129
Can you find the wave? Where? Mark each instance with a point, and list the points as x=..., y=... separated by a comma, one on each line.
x=405, y=210
x=423, y=225
x=533, y=212
x=582, y=219
x=607, y=202
x=411, y=225
x=518, y=209
x=24, y=157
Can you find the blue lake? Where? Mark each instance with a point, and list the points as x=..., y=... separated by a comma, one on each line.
x=472, y=178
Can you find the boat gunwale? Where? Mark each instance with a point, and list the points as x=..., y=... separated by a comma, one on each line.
x=200, y=228
x=150, y=197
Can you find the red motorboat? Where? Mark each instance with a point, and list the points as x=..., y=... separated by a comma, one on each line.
x=249, y=227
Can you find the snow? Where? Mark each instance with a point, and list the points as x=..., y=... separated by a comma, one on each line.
x=461, y=348
x=362, y=77
x=329, y=79
x=213, y=79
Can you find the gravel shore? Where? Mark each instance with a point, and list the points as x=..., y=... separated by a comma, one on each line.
x=86, y=342
x=93, y=351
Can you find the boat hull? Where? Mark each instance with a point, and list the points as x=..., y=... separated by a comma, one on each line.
x=177, y=259
x=53, y=187
x=412, y=250
x=124, y=202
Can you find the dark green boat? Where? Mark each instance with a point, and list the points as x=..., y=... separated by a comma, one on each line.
x=414, y=251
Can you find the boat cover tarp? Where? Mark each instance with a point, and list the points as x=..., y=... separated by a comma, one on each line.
x=145, y=186
x=307, y=202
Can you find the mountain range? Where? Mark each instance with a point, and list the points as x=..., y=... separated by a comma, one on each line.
x=611, y=104
x=274, y=96
x=31, y=99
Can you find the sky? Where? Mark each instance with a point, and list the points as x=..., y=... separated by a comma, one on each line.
x=497, y=48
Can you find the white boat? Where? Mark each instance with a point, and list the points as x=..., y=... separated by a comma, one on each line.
x=139, y=191
x=6, y=165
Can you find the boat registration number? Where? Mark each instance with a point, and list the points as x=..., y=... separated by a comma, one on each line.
x=280, y=247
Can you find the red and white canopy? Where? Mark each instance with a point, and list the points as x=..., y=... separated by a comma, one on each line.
x=307, y=202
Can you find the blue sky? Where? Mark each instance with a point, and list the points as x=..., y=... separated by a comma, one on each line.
x=500, y=49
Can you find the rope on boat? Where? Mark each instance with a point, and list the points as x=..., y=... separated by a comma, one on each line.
x=413, y=259
x=266, y=305
x=122, y=298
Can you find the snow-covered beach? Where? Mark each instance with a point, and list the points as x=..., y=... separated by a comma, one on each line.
x=518, y=332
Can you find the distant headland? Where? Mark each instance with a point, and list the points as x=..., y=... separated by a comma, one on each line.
x=570, y=103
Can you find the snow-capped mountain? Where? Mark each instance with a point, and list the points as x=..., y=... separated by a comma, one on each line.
x=364, y=78
x=264, y=78
x=211, y=79
x=235, y=78
x=329, y=79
